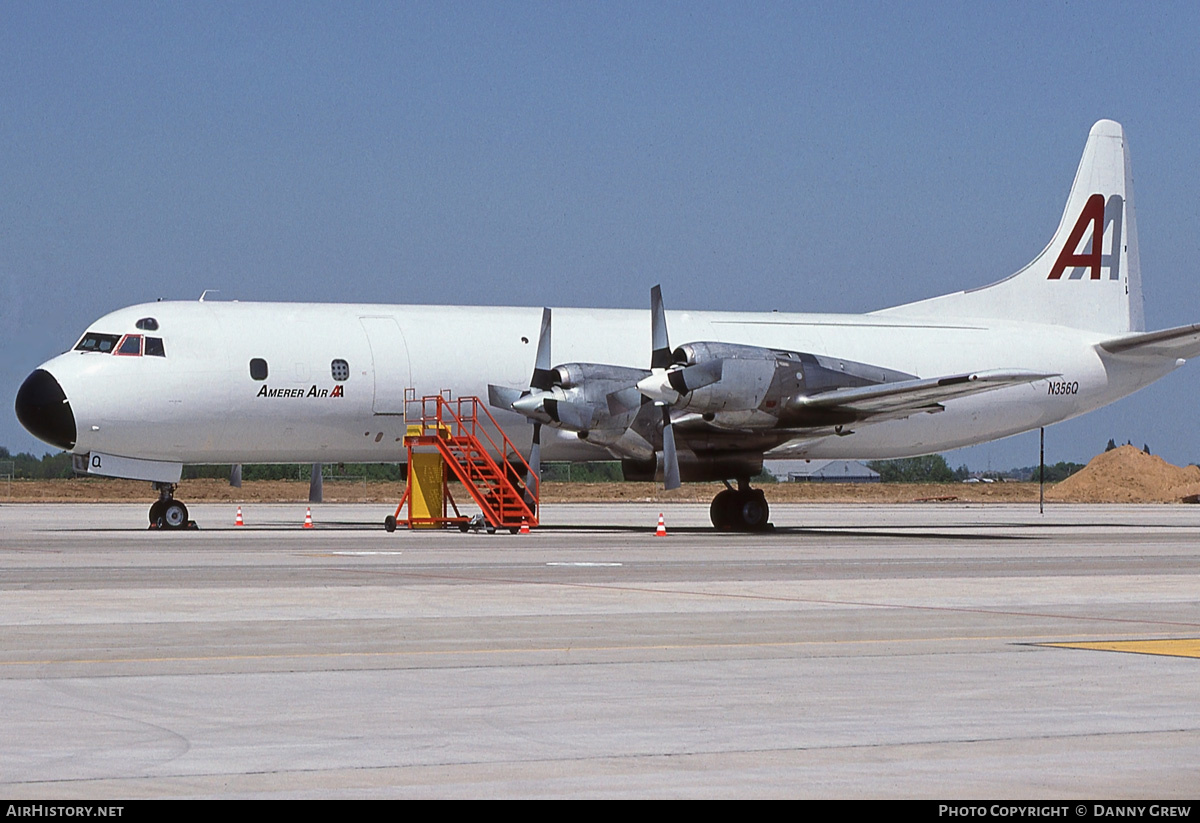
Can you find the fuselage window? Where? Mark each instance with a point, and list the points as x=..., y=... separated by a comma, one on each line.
x=258, y=369
x=131, y=346
x=147, y=324
x=154, y=347
x=93, y=341
x=340, y=369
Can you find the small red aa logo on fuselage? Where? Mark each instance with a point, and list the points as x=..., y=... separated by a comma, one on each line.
x=1070, y=258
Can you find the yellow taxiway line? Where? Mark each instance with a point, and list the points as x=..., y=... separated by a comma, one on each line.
x=1177, y=647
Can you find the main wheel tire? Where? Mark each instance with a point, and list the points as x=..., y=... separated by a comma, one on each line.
x=721, y=512
x=156, y=511
x=174, y=514
x=752, y=511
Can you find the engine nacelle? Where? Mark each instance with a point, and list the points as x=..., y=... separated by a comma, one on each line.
x=581, y=391
x=756, y=383
x=743, y=386
x=750, y=376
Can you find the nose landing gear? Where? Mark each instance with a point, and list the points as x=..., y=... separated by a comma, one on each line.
x=167, y=512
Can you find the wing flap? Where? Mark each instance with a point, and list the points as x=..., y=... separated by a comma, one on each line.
x=901, y=398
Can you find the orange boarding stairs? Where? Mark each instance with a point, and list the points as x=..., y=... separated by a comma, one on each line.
x=461, y=430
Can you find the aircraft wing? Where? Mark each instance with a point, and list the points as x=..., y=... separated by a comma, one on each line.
x=1182, y=341
x=902, y=398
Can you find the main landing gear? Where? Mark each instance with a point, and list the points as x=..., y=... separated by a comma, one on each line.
x=167, y=512
x=740, y=510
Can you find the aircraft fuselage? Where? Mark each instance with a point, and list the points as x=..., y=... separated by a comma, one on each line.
x=200, y=403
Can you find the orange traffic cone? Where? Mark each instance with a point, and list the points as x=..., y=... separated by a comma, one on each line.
x=238, y=520
x=524, y=526
x=661, y=531
x=308, y=518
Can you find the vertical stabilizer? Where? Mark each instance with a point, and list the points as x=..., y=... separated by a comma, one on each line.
x=1078, y=280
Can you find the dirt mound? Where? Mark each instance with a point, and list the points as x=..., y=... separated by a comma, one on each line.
x=1127, y=475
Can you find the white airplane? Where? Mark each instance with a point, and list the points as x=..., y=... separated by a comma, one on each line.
x=152, y=387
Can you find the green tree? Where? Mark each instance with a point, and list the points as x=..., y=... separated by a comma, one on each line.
x=932, y=468
x=600, y=471
x=1059, y=471
x=28, y=467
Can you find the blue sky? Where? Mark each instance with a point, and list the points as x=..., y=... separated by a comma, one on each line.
x=838, y=157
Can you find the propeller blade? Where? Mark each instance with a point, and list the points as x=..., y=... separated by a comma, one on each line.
x=543, y=377
x=543, y=407
x=502, y=397
x=535, y=463
x=698, y=376
x=660, y=359
x=624, y=400
x=670, y=386
x=660, y=355
x=670, y=458
x=574, y=416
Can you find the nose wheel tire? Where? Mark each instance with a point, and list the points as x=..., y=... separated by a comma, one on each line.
x=175, y=515
x=168, y=514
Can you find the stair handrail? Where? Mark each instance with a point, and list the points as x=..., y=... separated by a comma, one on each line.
x=449, y=416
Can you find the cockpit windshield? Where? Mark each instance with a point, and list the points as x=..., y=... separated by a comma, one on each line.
x=94, y=341
x=130, y=345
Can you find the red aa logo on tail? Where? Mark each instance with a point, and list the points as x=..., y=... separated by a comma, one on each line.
x=1069, y=257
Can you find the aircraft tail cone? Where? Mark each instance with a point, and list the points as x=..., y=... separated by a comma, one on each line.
x=524, y=526
x=237, y=521
x=308, y=517
x=661, y=531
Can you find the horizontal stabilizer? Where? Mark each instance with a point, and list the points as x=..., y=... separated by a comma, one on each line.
x=898, y=399
x=1182, y=341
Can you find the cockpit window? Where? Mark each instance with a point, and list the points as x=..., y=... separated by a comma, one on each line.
x=94, y=341
x=131, y=346
x=148, y=324
x=154, y=347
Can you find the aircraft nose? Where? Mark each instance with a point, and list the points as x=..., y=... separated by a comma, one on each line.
x=43, y=409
